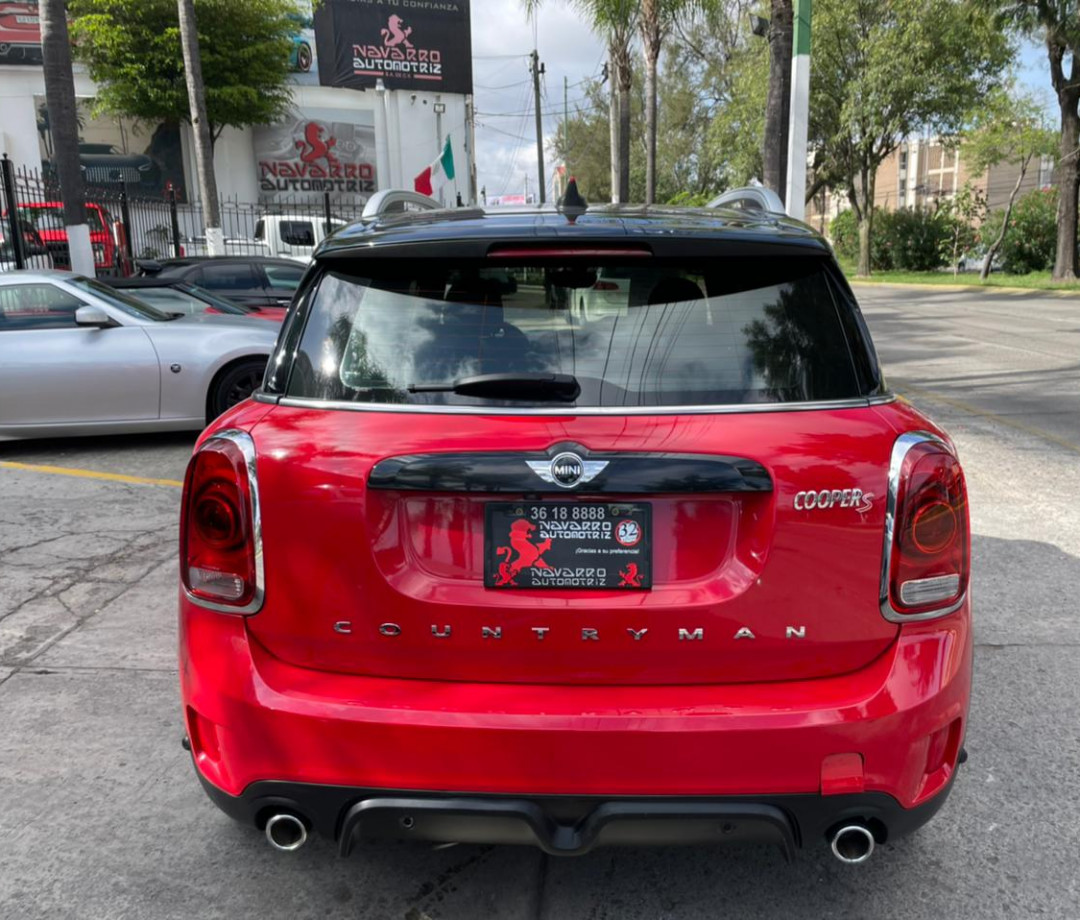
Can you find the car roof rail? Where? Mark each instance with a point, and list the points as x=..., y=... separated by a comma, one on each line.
x=398, y=201
x=753, y=197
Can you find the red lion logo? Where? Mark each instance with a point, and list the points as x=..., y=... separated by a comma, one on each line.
x=313, y=147
x=395, y=34
x=631, y=577
x=529, y=555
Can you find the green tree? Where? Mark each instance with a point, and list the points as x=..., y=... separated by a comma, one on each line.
x=132, y=50
x=1009, y=128
x=64, y=124
x=884, y=69
x=960, y=215
x=686, y=169
x=656, y=19
x=1030, y=234
x=1057, y=23
x=737, y=132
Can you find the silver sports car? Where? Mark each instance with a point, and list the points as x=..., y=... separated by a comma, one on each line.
x=77, y=358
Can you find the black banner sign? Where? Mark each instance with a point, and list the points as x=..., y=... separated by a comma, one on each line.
x=568, y=545
x=422, y=45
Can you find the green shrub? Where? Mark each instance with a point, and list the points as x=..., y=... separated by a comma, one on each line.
x=844, y=233
x=912, y=239
x=1031, y=239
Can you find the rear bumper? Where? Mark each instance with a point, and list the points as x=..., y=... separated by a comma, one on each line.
x=880, y=743
x=572, y=826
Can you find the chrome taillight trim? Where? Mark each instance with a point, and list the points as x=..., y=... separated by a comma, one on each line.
x=901, y=446
x=246, y=445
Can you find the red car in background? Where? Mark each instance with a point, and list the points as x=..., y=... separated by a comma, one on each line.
x=47, y=217
x=20, y=33
x=472, y=568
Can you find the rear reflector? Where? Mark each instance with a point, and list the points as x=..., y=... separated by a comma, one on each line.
x=927, y=538
x=929, y=590
x=221, y=563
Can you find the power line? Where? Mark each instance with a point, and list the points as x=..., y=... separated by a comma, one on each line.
x=552, y=111
x=503, y=86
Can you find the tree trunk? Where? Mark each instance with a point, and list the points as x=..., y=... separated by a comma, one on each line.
x=200, y=125
x=774, y=149
x=988, y=261
x=651, y=59
x=865, y=214
x=64, y=126
x=625, y=90
x=613, y=124
x=1065, y=262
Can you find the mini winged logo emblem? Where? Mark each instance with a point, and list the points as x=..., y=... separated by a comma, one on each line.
x=567, y=469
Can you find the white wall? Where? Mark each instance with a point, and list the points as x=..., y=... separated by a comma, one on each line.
x=413, y=141
x=18, y=118
x=406, y=130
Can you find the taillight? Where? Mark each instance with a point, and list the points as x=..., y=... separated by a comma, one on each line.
x=927, y=538
x=220, y=539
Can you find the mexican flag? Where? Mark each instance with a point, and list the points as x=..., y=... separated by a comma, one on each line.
x=439, y=172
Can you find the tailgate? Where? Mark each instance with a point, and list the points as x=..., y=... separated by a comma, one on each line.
x=761, y=532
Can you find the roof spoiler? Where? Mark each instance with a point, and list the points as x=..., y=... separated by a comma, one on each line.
x=753, y=197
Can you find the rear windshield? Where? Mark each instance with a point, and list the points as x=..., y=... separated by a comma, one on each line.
x=633, y=334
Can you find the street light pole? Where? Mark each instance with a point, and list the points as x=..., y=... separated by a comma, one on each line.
x=800, y=112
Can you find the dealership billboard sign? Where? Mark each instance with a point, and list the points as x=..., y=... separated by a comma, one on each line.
x=422, y=45
x=326, y=150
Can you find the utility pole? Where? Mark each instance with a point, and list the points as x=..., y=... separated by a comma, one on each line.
x=64, y=127
x=537, y=69
x=800, y=112
x=200, y=126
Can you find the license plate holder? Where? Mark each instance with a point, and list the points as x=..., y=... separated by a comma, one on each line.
x=568, y=545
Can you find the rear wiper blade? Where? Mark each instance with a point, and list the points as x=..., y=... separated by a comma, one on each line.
x=539, y=387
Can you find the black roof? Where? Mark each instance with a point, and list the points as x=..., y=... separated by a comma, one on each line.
x=152, y=281
x=185, y=261
x=468, y=232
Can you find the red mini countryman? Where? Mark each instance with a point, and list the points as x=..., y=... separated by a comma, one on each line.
x=491, y=558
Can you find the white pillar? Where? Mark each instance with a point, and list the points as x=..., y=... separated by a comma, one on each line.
x=800, y=112
x=80, y=251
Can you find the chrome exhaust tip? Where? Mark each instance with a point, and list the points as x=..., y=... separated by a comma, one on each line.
x=286, y=832
x=853, y=844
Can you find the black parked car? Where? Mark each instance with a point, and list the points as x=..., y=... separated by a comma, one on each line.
x=253, y=281
x=178, y=296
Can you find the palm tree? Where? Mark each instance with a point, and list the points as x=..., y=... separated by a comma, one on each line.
x=615, y=21
x=200, y=127
x=64, y=125
x=655, y=23
x=774, y=150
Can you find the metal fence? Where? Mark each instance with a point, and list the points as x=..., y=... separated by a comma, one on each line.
x=127, y=228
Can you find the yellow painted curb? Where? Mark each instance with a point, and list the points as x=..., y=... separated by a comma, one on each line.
x=87, y=474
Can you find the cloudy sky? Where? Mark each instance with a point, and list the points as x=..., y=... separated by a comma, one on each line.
x=502, y=40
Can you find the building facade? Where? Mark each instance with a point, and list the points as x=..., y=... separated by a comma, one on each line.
x=923, y=171
x=377, y=89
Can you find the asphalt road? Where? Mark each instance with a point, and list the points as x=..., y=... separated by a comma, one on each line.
x=101, y=816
